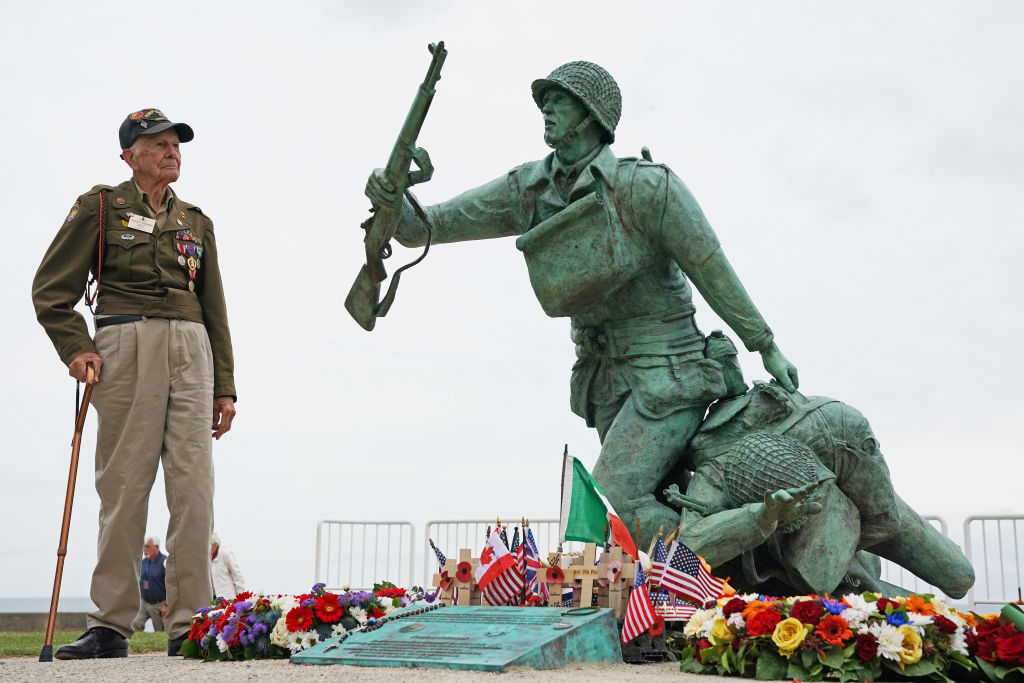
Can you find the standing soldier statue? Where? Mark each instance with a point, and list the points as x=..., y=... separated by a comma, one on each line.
x=611, y=244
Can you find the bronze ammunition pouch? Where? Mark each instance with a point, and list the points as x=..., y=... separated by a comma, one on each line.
x=585, y=252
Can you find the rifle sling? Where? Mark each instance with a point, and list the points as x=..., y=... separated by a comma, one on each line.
x=381, y=309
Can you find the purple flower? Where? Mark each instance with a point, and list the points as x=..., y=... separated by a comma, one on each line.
x=318, y=588
x=243, y=606
x=309, y=602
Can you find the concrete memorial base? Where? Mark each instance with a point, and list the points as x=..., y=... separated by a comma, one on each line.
x=478, y=638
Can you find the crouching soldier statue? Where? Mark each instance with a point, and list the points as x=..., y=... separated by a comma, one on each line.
x=791, y=494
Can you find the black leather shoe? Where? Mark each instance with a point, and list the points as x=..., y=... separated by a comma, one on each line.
x=98, y=642
x=174, y=644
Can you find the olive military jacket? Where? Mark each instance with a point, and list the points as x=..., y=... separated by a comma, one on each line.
x=659, y=354
x=143, y=274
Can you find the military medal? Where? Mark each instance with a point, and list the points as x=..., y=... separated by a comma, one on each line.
x=189, y=254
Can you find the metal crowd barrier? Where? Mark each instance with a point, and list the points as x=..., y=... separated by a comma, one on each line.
x=357, y=554
x=993, y=544
x=450, y=535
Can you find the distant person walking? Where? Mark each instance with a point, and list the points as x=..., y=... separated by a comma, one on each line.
x=152, y=587
x=226, y=578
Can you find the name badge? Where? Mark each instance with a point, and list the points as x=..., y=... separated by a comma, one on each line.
x=143, y=223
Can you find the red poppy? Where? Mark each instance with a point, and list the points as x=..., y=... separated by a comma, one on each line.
x=555, y=574
x=299, y=619
x=445, y=581
x=328, y=610
x=658, y=626
x=464, y=572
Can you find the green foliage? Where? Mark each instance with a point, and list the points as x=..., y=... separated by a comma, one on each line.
x=771, y=666
x=29, y=644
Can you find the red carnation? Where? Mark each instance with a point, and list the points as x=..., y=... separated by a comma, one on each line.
x=243, y=596
x=807, y=611
x=390, y=593
x=1010, y=650
x=944, y=624
x=376, y=612
x=763, y=623
x=867, y=647
x=733, y=606
x=299, y=619
x=328, y=610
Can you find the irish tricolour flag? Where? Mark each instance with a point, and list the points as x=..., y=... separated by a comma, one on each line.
x=586, y=513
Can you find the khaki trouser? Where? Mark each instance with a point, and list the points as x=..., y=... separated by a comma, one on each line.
x=147, y=611
x=155, y=405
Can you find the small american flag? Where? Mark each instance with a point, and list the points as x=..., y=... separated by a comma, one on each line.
x=441, y=559
x=658, y=560
x=567, y=597
x=687, y=577
x=639, y=611
x=680, y=611
x=519, y=551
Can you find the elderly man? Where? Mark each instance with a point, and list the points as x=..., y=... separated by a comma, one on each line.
x=162, y=365
x=611, y=243
x=152, y=586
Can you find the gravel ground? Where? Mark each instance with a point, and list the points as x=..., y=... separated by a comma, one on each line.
x=160, y=667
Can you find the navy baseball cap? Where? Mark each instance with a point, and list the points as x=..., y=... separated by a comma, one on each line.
x=148, y=122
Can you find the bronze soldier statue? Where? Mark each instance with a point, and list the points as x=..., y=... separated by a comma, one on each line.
x=613, y=244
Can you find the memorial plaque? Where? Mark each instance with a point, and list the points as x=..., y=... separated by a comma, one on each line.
x=478, y=638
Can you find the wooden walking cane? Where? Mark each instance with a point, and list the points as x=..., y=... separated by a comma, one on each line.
x=76, y=442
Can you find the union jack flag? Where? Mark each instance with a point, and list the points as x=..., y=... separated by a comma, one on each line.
x=535, y=583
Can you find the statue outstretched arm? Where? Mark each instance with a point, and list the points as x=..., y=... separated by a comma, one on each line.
x=490, y=210
x=721, y=536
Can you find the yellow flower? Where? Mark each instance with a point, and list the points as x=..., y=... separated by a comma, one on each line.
x=788, y=635
x=910, y=653
x=721, y=633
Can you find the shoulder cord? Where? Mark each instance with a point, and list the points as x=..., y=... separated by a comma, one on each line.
x=90, y=296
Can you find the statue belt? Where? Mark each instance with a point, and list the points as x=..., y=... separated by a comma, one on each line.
x=671, y=333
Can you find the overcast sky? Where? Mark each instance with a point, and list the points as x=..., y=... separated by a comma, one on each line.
x=862, y=164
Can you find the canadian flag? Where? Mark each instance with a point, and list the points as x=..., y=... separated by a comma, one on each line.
x=496, y=574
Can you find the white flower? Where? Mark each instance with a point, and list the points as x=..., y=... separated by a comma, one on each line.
x=279, y=635
x=919, y=621
x=358, y=613
x=890, y=640
x=958, y=641
x=221, y=643
x=854, y=617
x=857, y=601
x=301, y=640
x=337, y=629
x=285, y=603
x=736, y=620
x=695, y=626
